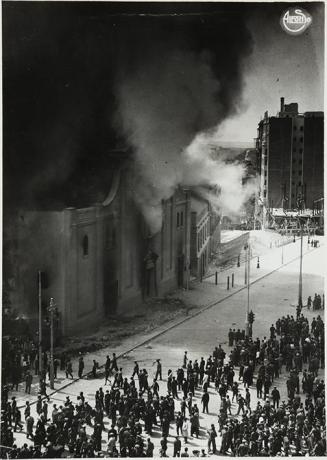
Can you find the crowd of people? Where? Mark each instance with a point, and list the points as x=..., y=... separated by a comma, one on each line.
x=317, y=303
x=19, y=355
x=128, y=410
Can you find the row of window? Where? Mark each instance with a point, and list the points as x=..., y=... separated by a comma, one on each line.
x=295, y=139
x=295, y=128
x=300, y=150
x=180, y=219
x=203, y=234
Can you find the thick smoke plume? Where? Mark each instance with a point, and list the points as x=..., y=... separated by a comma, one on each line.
x=170, y=104
x=71, y=68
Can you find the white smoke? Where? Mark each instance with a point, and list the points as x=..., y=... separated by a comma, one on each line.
x=163, y=104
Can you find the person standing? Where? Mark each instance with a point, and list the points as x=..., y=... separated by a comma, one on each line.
x=45, y=410
x=114, y=365
x=80, y=367
x=136, y=369
x=248, y=399
x=177, y=447
x=29, y=427
x=212, y=434
x=275, y=397
x=185, y=430
x=69, y=369
x=28, y=382
x=149, y=448
x=94, y=369
x=205, y=402
x=185, y=359
x=43, y=389
x=159, y=370
x=174, y=388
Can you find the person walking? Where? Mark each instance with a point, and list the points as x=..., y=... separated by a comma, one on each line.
x=240, y=402
x=18, y=419
x=27, y=411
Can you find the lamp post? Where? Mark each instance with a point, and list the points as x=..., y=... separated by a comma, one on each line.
x=301, y=261
x=40, y=325
x=247, y=264
x=52, y=309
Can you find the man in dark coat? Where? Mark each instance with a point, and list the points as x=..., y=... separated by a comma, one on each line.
x=177, y=447
x=205, y=402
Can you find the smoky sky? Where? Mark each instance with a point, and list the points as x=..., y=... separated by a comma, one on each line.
x=61, y=66
x=64, y=68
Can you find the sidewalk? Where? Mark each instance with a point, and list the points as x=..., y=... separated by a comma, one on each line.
x=201, y=296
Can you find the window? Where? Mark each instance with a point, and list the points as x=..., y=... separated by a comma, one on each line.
x=265, y=193
x=182, y=218
x=293, y=160
x=294, y=150
x=294, y=139
x=294, y=127
x=301, y=150
x=265, y=172
x=177, y=219
x=300, y=161
x=293, y=183
x=301, y=139
x=301, y=128
x=265, y=182
x=85, y=245
x=110, y=237
x=300, y=172
x=300, y=184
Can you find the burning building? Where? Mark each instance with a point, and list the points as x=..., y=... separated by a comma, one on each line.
x=101, y=260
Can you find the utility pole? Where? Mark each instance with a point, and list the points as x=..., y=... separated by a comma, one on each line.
x=51, y=310
x=245, y=266
x=40, y=326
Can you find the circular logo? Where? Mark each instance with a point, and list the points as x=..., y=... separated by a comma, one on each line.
x=295, y=20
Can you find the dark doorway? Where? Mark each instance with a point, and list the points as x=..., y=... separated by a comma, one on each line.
x=110, y=297
x=180, y=271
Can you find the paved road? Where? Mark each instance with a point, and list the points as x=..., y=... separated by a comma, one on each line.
x=271, y=297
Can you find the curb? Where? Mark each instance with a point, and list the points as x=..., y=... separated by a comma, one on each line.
x=178, y=323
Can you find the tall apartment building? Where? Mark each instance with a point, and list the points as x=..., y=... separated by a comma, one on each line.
x=290, y=152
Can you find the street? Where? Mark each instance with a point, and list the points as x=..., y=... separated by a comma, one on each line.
x=271, y=296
